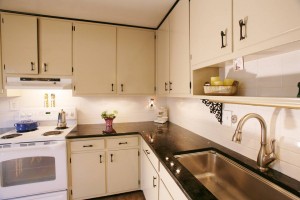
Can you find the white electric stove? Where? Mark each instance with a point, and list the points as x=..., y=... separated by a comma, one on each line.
x=33, y=165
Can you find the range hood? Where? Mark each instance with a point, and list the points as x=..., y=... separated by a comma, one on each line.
x=38, y=83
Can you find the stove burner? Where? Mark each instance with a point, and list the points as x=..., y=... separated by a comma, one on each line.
x=52, y=133
x=61, y=128
x=11, y=136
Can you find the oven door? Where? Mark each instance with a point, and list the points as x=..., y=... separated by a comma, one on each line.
x=32, y=168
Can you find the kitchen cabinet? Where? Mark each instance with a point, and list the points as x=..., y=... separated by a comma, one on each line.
x=149, y=177
x=163, y=192
x=122, y=164
x=173, y=56
x=94, y=59
x=55, y=47
x=112, y=164
x=122, y=170
x=261, y=25
x=179, y=49
x=135, y=61
x=19, y=44
x=163, y=58
x=171, y=186
x=88, y=156
x=211, y=29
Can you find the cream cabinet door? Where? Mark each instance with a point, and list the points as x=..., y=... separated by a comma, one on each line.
x=19, y=44
x=55, y=47
x=94, y=59
x=149, y=179
x=164, y=194
x=122, y=170
x=179, y=49
x=135, y=61
x=211, y=29
x=163, y=58
x=88, y=174
x=263, y=23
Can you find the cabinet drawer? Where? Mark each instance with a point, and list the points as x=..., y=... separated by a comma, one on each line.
x=150, y=154
x=122, y=142
x=87, y=145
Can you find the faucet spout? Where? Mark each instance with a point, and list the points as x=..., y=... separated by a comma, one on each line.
x=263, y=158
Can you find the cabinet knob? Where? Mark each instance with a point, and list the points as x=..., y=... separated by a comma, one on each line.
x=100, y=158
x=242, y=24
x=122, y=90
x=120, y=143
x=32, y=66
x=223, y=40
x=154, y=178
x=170, y=86
x=45, y=67
x=111, y=157
x=166, y=84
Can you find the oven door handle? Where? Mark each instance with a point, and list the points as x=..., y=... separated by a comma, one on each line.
x=33, y=146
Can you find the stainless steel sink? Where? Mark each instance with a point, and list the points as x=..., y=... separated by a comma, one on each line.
x=228, y=180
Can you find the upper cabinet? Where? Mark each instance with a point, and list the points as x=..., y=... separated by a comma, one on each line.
x=94, y=57
x=211, y=29
x=22, y=42
x=180, y=49
x=135, y=61
x=173, y=57
x=55, y=47
x=19, y=44
x=163, y=58
x=259, y=25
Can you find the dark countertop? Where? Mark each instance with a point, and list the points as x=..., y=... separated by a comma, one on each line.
x=167, y=140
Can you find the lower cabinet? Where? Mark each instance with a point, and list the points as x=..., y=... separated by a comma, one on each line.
x=122, y=170
x=100, y=167
x=88, y=174
x=164, y=193
x=149, y=178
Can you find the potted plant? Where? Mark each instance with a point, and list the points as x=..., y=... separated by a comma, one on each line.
x=109, y=117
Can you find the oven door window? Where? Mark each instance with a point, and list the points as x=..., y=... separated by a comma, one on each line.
x=27, y=170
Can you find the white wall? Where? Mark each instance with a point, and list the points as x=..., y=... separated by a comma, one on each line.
x=272, y=76
x=89, y=109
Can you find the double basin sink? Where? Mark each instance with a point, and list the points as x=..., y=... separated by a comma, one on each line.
x=226, y=179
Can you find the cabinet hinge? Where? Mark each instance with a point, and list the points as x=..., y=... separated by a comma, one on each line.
x=154, y=88
x=138, y=153
x=70, y=160
x=139, y=182
x=190, y=84
x=155, y=37
x=72, y=69
x=74, y=88
x=73, y=28
x=2, y=20
x=71, y=192
x=4, y=66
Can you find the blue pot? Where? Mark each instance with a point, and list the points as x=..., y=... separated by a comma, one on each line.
x=26, y=125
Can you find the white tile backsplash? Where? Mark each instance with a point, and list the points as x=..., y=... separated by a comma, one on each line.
x=275, y=76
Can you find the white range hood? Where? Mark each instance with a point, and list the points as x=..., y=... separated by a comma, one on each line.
x=38, y=83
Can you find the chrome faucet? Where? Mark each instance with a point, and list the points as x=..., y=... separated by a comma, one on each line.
x=263, y=158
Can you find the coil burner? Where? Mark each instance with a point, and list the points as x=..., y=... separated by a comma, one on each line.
x=52, y=133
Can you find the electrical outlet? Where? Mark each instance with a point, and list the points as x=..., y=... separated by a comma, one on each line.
x=226, y=117
x=238, y=64
x=14, y=105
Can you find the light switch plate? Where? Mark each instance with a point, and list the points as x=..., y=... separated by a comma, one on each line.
x=226, y=120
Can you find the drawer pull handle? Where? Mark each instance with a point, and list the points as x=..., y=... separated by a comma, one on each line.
x=88, y=145
x=120, y=143
x=154, y=178
x=111, y=157
x=224, y=34
x=147, y=152
x=242, y=24
x=100, y=158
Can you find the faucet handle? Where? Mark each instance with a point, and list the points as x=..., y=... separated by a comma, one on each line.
x=272, y=144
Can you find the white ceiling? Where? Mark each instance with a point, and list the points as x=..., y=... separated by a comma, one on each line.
x=146, y=13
